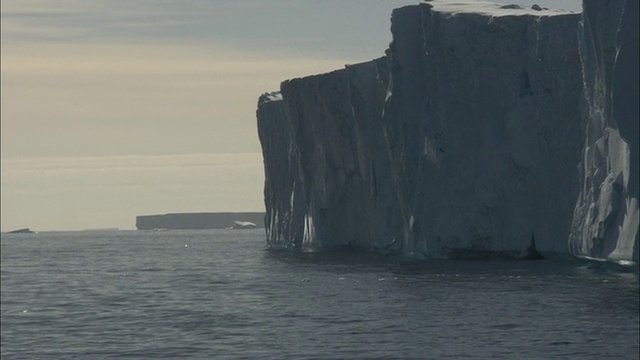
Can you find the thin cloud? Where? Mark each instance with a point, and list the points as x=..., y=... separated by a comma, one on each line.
x=146, y=99
x=149, y=59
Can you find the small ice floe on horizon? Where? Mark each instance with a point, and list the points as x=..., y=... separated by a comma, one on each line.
x=382, y=279
x=340, y=278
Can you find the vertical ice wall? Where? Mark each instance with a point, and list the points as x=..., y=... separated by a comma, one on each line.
x=606, y=218
x=283, y=189
x=326, y=164
x=483, y=125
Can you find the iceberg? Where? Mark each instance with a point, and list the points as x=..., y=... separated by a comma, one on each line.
x=464, y=139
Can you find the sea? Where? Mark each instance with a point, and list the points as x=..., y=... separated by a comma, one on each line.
x=221, y=294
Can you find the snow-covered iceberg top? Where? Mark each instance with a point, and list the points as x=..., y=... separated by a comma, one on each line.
x=491, y=9
x=270, y=97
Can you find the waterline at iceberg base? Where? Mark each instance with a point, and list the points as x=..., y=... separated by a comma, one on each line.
x=473, y=136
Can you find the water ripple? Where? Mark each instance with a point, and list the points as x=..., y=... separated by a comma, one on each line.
x=147, y=296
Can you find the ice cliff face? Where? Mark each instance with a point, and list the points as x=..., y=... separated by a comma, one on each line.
x=326, y=164
x=484, y=127
x=462, y=141
x=606, y=219
x=282, y=191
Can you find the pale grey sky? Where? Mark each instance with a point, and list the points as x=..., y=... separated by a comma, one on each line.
x=107, y=104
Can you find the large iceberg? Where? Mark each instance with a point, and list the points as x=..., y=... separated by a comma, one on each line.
x=463, y=140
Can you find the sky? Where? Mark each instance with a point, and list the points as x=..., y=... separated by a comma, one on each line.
x=117, y=108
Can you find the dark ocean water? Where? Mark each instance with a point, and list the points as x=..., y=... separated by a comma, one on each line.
x=221, y=295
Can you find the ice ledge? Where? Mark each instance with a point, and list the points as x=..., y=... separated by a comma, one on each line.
x=270, y=97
